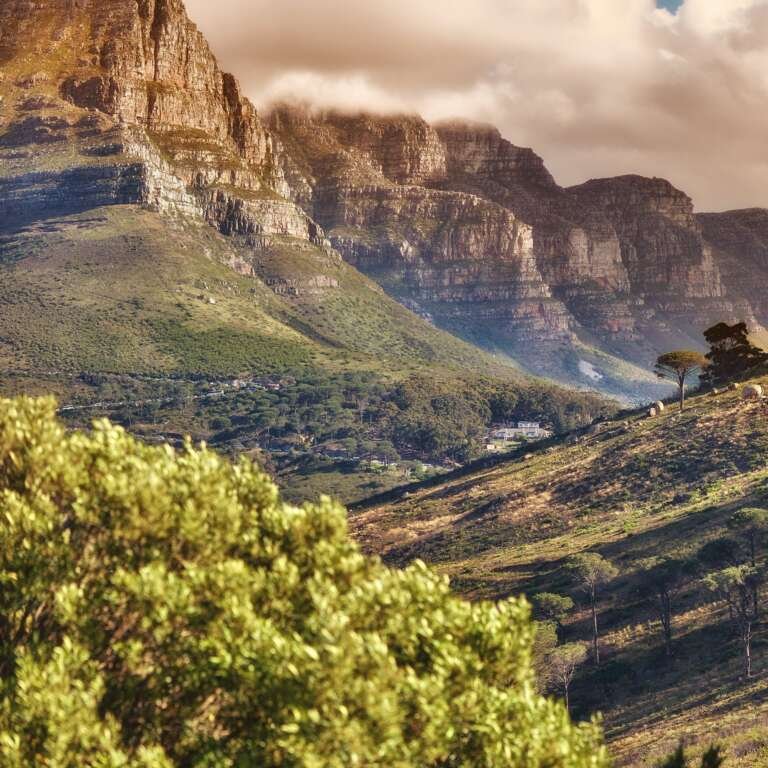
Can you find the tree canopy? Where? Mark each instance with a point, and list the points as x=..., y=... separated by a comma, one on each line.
x=731, y=353
x=680, y=366
x=163, y=609
x=591, y=571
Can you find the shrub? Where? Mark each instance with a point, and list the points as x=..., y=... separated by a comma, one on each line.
x=167, y=609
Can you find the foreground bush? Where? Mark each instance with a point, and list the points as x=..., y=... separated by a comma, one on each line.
x=164, y=609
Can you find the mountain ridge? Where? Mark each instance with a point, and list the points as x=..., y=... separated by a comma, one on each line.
x=124, y=102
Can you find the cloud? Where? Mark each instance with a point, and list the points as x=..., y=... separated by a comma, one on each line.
x=597, y=87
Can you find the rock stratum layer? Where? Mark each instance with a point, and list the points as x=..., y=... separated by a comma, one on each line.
x=108, y=102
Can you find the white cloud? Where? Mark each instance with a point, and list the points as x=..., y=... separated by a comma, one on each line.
x=709, y=18
x=598, y=87
x=345, y=92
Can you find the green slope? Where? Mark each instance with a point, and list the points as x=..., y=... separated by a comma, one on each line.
x=630, y=491
x=125, y=290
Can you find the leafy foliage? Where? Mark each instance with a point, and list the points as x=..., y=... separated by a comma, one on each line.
x=660, y=582
x=564, y=661
x=731, y=353
x=591, y=571
x=549, y=606
x=737, y=587
x=752, y=524
x=167, y=609
x=680, y=366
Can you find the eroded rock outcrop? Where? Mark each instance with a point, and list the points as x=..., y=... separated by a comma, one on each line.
x=740, y=243
x=476, y=233
x=108, y=102
x=129, y=106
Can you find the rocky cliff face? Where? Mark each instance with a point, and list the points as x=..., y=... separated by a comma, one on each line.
x=475, y=233
x=739, y=240
x=122, y=102
x=110, y=102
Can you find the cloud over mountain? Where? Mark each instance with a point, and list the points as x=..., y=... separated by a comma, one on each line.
x=596, y=86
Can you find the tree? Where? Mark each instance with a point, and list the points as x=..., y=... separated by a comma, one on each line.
x=504, y=404
x=736, y=587
x=551, y=607
x=544, y=642
x=731, y=353
x=660, y=582
x=679, y=367
x=712, y=758
x=591, y=571
x=752, y=524
x=161, y=609
x=563, y=663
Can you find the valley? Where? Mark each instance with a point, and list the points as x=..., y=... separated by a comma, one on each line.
x=411, y=318
x=635, y=490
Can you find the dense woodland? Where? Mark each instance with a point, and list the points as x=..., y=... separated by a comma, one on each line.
x=350, y=415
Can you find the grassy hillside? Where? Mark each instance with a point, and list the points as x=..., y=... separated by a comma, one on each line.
x=630, y=490
x=124, y=290
x=146, y=314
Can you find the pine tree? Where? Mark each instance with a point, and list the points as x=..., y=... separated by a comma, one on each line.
x=731, y=353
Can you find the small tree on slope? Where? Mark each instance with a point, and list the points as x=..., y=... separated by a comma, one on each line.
x=679, y=367
x=752, y=524
x=548, y=606
x=736, y=587
x=591, y=572
x=661, y=580
x=563, y=663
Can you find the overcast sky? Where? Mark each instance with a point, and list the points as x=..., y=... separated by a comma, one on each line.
x=597, y=87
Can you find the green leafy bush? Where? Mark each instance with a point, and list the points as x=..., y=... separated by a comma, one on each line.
x=164, y=609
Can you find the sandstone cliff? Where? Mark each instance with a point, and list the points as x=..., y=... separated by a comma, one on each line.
x=106, y=102
x=113, y=102
x=740, y=243
x=476, y=233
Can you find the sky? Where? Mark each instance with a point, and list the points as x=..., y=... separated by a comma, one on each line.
x=596, y=87
x=670, y=5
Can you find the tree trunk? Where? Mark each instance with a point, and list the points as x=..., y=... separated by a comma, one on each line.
x=567, y=699
x=595, y=642
x=747, y=638
x=755, y=589
x=681, y=384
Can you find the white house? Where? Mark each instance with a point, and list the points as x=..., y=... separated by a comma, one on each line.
x=531, y=430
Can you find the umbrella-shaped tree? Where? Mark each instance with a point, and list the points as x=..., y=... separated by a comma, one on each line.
x=680, y=366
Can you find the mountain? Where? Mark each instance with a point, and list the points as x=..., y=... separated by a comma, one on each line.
x=159, y=264
x=633, y=489
x=123, y=104
x=133, y=170
x=585, y=285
